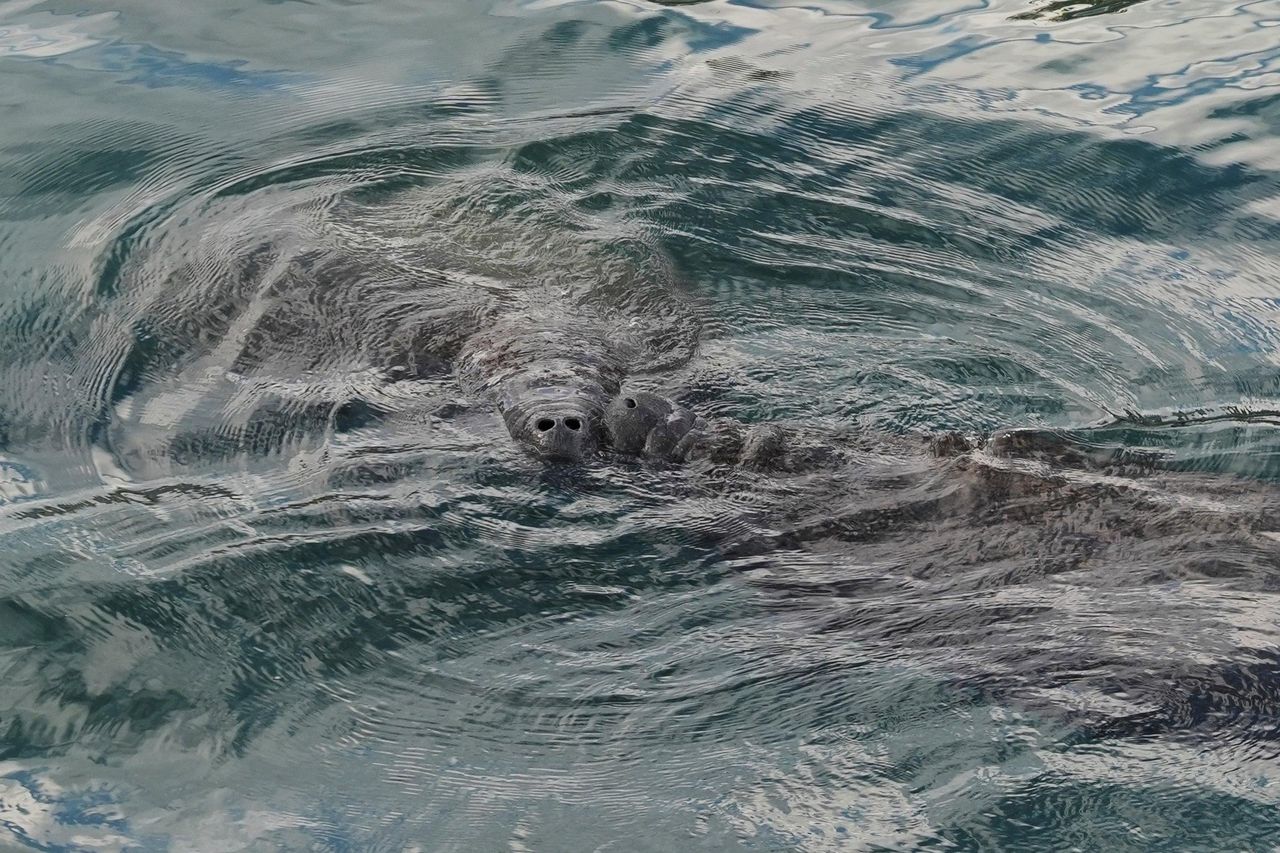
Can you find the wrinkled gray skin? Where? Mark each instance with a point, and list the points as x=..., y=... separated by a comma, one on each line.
x=648, y=425
x=645, y=424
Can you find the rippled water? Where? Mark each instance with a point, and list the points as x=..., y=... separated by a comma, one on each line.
x=272, y=578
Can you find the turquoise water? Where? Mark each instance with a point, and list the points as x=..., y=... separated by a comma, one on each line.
x=260, y=591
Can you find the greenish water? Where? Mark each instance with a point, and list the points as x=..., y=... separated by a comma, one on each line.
x=259, y=591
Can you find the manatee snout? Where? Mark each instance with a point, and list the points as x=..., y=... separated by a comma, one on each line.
x=641, y=423
x=556, y=430
x=567, y=427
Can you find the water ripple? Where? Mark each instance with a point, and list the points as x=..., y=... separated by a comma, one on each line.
x=273, y=579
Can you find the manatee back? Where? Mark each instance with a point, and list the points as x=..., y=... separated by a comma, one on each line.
x=541, y=262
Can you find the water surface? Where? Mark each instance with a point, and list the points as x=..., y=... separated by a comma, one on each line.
x=260, y=592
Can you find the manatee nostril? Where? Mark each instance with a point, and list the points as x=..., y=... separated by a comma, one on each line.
x=631, y=403
x=573, y=423
x=545, y=424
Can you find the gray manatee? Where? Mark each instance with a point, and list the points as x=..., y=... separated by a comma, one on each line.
x=649, y=425
x=248, y=325
x=245, y=325
x=644, y=423
x=641, y=423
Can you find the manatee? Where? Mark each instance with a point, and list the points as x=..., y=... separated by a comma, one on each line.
x=1040, y=567
x=1010, y=562
x=551, y=366
x=649, y=425
x=646, y=424
x=318, y=308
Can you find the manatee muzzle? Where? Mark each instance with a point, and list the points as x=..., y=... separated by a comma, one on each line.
x=645, y=424
x=555, y=424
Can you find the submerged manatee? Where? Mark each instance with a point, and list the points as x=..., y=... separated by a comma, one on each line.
x=260, y=321
x=645, y=424
x=552, y=365
x=1091, y=583
x=649, y=425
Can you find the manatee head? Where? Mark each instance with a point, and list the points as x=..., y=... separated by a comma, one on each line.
x=642, y=423
x=557, y=424
x=551, y=382
x=649, y=425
